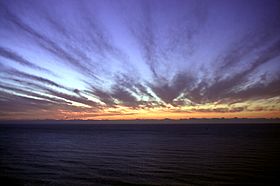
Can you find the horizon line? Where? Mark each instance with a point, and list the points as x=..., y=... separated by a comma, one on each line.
x=155, y=121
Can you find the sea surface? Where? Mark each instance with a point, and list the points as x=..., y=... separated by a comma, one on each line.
x=192, y=154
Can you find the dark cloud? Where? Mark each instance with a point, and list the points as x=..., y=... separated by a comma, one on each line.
x=76, y=91
x=122, y=91
x=169, y=91
x=9, y=54
x=16, y=103
x=225, y=88
x=159, y=45
x=33, y=94
x=17, y=73
x=18, y=106
x=124, y=96
x=133, y=85
x=47, y=44
x=259, y=91
x=82, y=100
x=221, y=109
x=100, y=94
x=39, y=83
x=144, y=34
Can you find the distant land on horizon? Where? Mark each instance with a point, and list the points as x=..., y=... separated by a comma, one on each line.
x=153, y=121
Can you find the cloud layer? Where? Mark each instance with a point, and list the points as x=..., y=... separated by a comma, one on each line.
x=146, y=59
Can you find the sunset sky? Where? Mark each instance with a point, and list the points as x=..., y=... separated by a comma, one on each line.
x=137, y=59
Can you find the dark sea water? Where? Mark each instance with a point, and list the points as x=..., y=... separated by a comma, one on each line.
x=61, y=154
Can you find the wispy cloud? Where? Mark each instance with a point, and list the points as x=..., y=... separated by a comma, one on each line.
x=136, y=57
x=6, y=53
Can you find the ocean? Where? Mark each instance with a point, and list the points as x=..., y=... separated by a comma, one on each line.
x=127, y=154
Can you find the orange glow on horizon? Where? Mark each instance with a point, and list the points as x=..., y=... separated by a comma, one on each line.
x=253, y=109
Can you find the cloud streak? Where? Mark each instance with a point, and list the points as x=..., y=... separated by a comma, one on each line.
x=145, y=57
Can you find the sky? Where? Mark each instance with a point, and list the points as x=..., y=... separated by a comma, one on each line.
x=139, y=59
